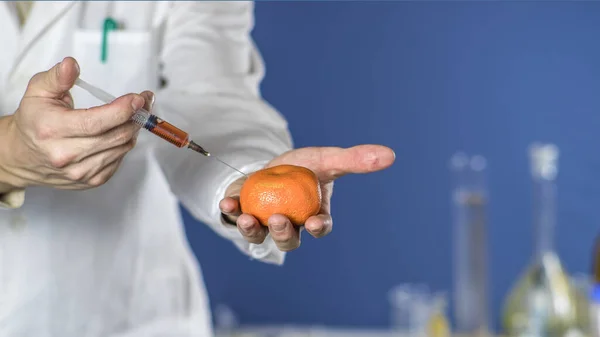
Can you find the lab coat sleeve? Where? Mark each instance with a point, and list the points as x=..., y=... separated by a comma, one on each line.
x=13, y=199
x=212, y=71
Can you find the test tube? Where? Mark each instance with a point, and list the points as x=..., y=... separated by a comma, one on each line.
x=470, y=199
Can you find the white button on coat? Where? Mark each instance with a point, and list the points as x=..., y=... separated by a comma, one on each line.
x=114, y=261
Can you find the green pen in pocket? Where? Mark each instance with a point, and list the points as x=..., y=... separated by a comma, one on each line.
x=109, y=25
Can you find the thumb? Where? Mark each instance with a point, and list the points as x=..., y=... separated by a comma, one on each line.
x=55, y=82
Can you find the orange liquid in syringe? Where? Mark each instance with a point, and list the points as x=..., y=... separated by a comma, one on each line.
x=167, y=131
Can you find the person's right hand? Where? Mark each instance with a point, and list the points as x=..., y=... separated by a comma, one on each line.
x=48, y=143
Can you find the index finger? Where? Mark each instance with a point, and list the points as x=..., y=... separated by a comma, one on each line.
x=98, y=120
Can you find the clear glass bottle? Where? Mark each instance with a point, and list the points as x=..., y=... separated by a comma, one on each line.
x=542, y=303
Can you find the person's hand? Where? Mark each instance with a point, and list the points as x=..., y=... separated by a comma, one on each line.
x=328, y=163
x=47, y=142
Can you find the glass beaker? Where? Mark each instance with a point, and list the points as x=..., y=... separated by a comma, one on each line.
x=438, y=324
x=411, y=305
x=418, y=312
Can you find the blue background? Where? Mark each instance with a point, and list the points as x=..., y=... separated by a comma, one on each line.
x=427, y=79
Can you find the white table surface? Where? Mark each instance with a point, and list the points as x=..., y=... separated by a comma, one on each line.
x=291, y=331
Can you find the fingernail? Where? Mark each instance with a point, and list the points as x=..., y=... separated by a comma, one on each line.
x=152, y=101
x=137, y=103
x=245, y=227
x=316, y=230
x=278, y=227
x=245, y=224
x=77, y=67
x=63, y=64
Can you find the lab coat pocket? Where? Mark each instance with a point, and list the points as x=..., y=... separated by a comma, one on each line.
x=131, y=63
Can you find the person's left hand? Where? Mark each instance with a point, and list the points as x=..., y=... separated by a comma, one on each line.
x=329, y=163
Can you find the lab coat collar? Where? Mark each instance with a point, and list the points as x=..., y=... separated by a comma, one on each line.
x=43, y=14
x=8, y=13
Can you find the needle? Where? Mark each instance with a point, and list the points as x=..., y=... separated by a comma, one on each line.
x=217, y=158
x=202, y=151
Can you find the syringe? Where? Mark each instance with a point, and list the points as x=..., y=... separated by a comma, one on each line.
x=152, y=123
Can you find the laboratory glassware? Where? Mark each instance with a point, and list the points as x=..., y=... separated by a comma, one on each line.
x=594, y=291
x=438, y=324
x=470, y=199
x=410, y=304
x=154, y=124
x=581, y=284
x=542, y=302
x=595, y=312
x=419, y=312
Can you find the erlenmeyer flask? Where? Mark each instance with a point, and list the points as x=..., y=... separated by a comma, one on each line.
x=542, y=303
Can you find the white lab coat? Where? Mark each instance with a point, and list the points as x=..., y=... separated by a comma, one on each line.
x=114, y=261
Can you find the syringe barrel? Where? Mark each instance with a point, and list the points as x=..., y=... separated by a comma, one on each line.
x=166, y=131
x=143, y=118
